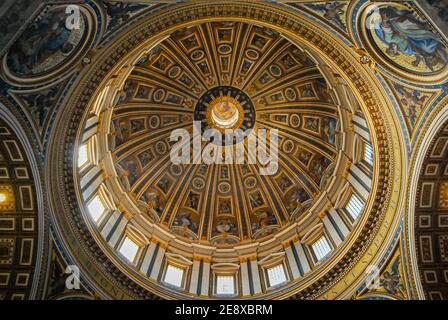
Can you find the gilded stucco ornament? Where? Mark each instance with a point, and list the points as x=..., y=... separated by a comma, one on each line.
x=364, y=58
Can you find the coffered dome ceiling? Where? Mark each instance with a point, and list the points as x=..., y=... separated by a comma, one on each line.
x=134, y=215
x=113, y=116
x=179, y=80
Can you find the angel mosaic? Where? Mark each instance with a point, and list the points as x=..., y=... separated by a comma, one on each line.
x=390, y=280
x=413, y=102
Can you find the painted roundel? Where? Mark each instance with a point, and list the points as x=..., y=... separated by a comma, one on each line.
x=49, y=45
x=404, y=40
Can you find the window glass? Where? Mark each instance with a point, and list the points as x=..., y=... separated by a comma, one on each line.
x=225, y=285
x=174, y=276
x=83, y=157
x=129, y=249
x=368, y=153
x=354, y=206
x=96, y=208
x=276, y=275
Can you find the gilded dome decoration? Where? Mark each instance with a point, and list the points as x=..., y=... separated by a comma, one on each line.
x=19, y=218
x=223, y=150
x=431, y=205
x=290, y=95
x=225, y=108
x=218, y=212
x=225, y=112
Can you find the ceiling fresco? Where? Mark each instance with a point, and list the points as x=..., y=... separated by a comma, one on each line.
x=285, y=90
x=352, y=87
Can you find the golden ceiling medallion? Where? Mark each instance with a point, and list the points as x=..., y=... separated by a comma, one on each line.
x=225, y=113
